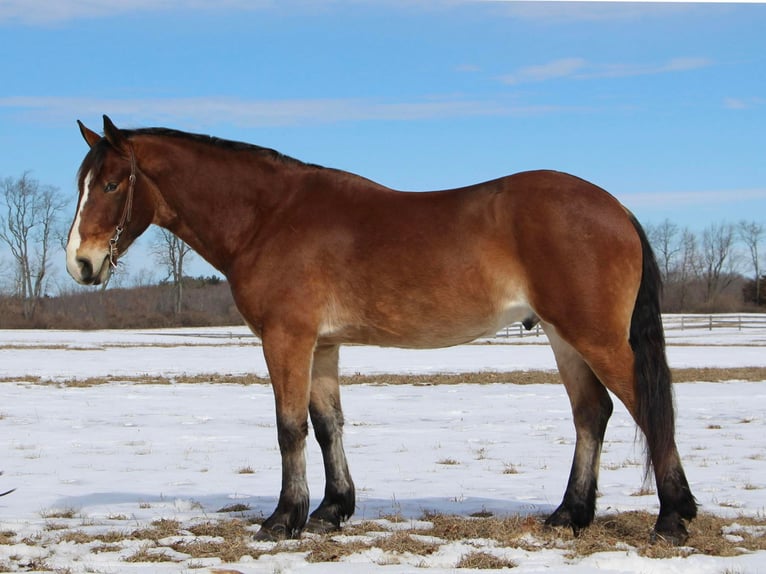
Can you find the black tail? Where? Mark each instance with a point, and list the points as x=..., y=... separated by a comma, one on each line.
x=654, y=394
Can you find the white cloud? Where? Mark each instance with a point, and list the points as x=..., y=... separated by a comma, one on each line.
x=563, y=68
x=52, y=12
x=743, y=103
x=211, y=111
x=568, y=11
x=580, y=69
x=628, y=70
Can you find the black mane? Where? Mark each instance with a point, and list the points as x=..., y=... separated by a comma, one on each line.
x=217, y=142
x=95, y=157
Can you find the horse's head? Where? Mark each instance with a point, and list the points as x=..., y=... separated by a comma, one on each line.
x=114, y=206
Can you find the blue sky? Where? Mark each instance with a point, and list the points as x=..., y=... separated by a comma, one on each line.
x=664, y=105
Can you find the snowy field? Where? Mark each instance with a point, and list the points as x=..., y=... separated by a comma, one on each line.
x=121, y=455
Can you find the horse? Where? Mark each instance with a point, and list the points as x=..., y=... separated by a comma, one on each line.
x=317, y=258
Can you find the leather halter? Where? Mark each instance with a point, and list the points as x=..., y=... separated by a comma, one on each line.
x=126, y=211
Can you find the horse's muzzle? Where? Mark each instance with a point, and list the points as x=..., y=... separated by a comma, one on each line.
x=87, y=272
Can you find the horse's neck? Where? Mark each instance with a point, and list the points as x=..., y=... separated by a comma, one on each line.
x=211, y=200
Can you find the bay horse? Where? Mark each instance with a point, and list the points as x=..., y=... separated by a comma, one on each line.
x=319, y=257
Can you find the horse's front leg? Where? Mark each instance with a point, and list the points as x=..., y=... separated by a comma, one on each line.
x=288, y=357
x=327, y=419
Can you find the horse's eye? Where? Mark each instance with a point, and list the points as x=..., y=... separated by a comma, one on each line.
x=111, y=186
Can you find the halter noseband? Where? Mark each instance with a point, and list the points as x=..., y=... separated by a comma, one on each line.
x=126, y=211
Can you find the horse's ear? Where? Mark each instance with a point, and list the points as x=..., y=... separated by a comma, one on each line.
x=114, y=136
x=90, y=136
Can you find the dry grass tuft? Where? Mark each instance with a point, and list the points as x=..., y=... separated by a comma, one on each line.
x=510, y=531
x=234, y=508
x=484, y=561
x=150, y=555
x=228, y=550
x=63, y=513
x=161, y=528
x=333, y=548
x=402, y=542
x=227, y=529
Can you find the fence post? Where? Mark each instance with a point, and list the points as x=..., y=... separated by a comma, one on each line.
x=710, y=323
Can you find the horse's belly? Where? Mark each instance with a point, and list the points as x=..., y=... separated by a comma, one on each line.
x=409, y=329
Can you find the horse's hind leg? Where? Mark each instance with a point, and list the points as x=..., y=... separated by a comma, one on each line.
x=327, y=418
x=591, y=408
x=651, y=406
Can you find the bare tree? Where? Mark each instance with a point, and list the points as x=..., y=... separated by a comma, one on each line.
x=172, y=252
x=717, y=259
x=663, y=238
x=28, y=225
x=686, y=270
x=752, y=234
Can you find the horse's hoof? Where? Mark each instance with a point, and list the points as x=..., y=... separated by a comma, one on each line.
x=320, y=526
x=559, y=519
x=671, y=530
x=562, y=518
x=275, y=533
x=676, y=537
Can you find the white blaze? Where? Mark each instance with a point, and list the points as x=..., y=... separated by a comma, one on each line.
x=73, y=243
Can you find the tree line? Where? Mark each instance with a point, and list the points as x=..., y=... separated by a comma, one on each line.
x=718, y=269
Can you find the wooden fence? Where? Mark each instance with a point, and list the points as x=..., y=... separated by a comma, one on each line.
x=737, y=321
x=671, y=322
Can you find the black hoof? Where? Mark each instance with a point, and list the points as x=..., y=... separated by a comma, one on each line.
x=563, y=517
x=320, y=526
x=670, y=529
x=275, y=533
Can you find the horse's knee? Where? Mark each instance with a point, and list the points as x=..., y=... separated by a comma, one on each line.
x=291, y=433
x=327, y=421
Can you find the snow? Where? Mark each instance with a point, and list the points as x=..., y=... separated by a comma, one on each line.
x=125, y=454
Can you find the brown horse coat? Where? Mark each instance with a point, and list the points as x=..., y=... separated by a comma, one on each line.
x=318, y=257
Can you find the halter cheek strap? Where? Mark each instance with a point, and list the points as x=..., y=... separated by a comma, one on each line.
x=126, y=211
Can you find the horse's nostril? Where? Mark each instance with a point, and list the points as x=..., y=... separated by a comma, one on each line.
x=86, y=269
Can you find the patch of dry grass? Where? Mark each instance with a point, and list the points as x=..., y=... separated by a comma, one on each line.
x=711, y=375
x=161, y=528
x=63, y=513
x=231, y=539
x=228, y=550
x=149, y=554
x=717, y=375
x=227, y=529
x=484, y=561
x=333, y=548
x=238, y=507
